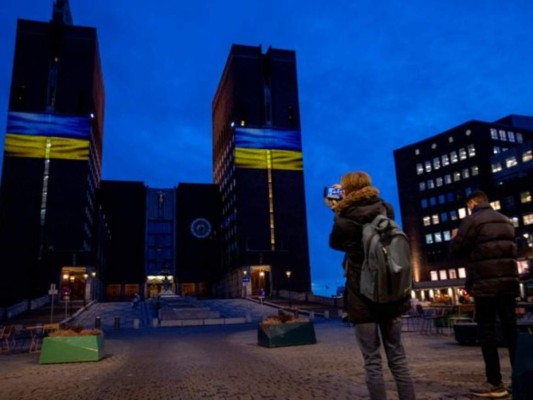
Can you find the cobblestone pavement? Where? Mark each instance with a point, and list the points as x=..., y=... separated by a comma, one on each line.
x=225, y=362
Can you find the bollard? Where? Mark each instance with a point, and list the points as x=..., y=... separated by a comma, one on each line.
x=136, y=323
x=117, y=322
x=97, y=323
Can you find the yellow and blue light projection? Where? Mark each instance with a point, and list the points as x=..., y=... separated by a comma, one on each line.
x=268, y=149
x=47, y=136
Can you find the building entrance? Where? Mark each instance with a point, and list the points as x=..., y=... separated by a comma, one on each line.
x=75, y=283
x=261, y=277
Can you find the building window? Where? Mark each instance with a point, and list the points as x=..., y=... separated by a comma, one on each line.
x=443, y=275
x=450, y=196
x=471, y=150
x=456, y=176
x=528, y=219
x=496, y=204
x=429, y=238
x=494, y=133
x=450, y=139
x=430, y=184
x=514, y=220
x=453, y=215
x=439, y=181
x=434, y=275
x=462, y=272
x=432, y=201
x=466, y=173
x=419, y=169
x=496, y=167
x=511, y=162
x=525, y=197
x=502, y=134
x=511, y=136
x=427, y=165
x=422, y=186
x=426, y=221
x=462, y=153
x=468, y=132
x=442, y=199
x=452, y=274
x=475, y=170
x=496, y=150
x=444, y=217
x=435, y=219
x=519, y=138
x=453, y=157
x=462, y=212
x=447, y=179
x=438, y=237
x=447, y=235
x=424, y=203
x=436, y=163
x=508, y=201
x=445, y=160
x=527, y=156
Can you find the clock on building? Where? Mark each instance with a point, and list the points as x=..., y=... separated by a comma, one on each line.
x=200, y=228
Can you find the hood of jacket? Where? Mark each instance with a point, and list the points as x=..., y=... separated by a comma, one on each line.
x=363, y=196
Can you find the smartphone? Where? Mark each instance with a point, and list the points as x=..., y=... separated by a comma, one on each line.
x=334, y=193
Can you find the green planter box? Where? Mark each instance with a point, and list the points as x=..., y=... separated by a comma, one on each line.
x=286, y=334
x=65, y=349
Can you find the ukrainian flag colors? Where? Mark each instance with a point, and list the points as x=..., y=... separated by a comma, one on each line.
x=268, y=149
x=47, y=136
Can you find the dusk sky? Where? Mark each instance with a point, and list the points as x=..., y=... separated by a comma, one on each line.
x=373, y=76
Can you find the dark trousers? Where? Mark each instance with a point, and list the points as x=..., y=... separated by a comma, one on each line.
x=490, y=311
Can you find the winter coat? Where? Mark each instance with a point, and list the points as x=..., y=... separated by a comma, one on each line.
x=486, y=239
x=354, y=211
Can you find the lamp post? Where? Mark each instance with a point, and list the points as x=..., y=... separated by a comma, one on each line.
x=93, y=285
x=289, y=273
x=244, y=282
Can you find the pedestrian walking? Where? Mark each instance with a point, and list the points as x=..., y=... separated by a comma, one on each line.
x=486, y=240
x=375, y=323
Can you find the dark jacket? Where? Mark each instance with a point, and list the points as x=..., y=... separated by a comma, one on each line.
x=357, y=209
x=486, y=239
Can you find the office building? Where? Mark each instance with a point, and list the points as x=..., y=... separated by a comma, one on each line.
x=436, y=175
x=258, y=165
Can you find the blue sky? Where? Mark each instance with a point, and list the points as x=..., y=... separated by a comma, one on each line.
x=373, y=76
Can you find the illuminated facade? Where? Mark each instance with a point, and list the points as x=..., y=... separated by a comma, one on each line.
x=52, y=160
x=436, y=175
x=258, y=165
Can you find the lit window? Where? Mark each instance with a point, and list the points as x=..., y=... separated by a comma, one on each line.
x=447, y=179
x=528, y=219
x=435, y=219
x=433, y=146
x=496, y=150
x=493, y=133
x=436, y=163
x=519, y=138
x=438, y=237
x=462, y=153
x=444, y=217
x=445, y=160
x=502, y=134
x=514, y=220
x=496, y=204
x=511, y=162
x=453, y=157
x=523, y=267
x=474, y=170
x=442, y=274
x=417, y=152
x=468, y=132
x=450, y=139
x=424, y=203
x=456, y=176
x=462, y=212
x=432, y=201
x=447, y=235
x=511, y=136
x=442, y=199
x=434, y=276
x=527, y=156
x=496, y=167
x=422, y=186
x=439, y=181
x=466, y=173
x=419, y=168
x=462, y=272
x=453, y=215
x=429, y=238
x=427, y=165
x=471, y=150
x=452, y=274
x=426, y=220
x=525, y=197
x=430, y=184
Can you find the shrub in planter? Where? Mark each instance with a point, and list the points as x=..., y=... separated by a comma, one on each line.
x=285, y=330
x=72, y=345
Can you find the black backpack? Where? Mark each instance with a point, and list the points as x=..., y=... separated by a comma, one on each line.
x=386, y=272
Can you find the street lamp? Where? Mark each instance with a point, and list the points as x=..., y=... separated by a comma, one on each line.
x=93, y=285
x=289, y=273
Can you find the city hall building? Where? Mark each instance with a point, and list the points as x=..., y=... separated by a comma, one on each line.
x=436, y=175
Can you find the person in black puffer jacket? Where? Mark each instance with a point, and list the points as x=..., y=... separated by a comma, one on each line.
x=486, y=239
x=360, y=205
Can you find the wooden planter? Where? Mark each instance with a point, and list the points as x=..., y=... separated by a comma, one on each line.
x=286, y=334
x=65, y=349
